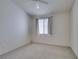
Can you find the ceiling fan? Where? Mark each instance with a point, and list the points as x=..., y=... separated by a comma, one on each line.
x=41, y=1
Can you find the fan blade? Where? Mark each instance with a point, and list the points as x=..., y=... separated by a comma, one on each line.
x=35, y=0
x=43, y=2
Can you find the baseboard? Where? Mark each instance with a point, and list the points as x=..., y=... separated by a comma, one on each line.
x=74, y=52
x=16, y=49
x=50, y=44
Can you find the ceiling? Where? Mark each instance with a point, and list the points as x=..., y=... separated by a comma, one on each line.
x=53, y=6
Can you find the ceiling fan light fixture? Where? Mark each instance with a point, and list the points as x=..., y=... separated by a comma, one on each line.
x=37, y=6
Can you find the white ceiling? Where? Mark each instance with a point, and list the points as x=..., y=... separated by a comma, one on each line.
x=53, y=6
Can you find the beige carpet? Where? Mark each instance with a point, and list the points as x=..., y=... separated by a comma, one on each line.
x=39, y=51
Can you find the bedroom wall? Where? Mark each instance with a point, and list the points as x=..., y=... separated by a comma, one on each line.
x=74, y=27
x=61, y=34
x=14, y=27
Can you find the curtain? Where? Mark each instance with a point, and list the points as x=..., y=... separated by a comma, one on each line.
x=36, y=26
x=50, y=25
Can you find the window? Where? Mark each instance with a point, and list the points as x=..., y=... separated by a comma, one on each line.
x=43, y=26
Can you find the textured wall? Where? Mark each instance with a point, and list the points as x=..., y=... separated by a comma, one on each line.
x=14, y=27
x=74, y=27
x=60, y=31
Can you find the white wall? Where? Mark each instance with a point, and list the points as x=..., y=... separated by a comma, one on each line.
x=60, y=31
x=14, y=26
x=74, y=27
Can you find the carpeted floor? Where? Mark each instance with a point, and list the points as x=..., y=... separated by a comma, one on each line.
x=39, y=51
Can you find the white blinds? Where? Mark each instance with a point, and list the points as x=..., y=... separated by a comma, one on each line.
x=43, y=26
